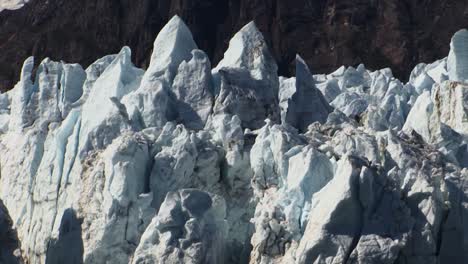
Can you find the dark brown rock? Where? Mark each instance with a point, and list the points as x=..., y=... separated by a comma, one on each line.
x=327, y=34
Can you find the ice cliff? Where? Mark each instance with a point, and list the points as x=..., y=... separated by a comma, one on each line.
x=192, y=163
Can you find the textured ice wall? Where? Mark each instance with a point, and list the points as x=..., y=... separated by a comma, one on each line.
x=182, y=163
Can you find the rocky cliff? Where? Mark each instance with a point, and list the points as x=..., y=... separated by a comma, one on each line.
x=328, y=34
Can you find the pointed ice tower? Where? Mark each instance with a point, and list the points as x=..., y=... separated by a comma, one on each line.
x=457, y=62
x=103, y=116
x=21, y=96
x=71, y=86
x=248, y=50
x=151, y=104
x=173, y=45
x=306, y=104
x=246, y=80
x=57, y=85
x=193, y=89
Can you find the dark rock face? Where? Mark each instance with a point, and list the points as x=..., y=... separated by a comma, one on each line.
x=8, y=239
x=327, y=34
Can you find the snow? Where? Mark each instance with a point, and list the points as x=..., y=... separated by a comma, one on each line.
x=187, y=164
x=12, y=4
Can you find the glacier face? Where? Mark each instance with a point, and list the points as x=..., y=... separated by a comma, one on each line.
x=183, y=163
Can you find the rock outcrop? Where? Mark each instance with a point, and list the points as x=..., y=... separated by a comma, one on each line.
x=182, y=163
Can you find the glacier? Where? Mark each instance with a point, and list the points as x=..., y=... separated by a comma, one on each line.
x=188, y=163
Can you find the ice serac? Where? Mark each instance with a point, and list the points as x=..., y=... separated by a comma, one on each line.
x=153, y=103
x=149, y=105
x=335, y=219
x=352, y=104
x=71, y=87
x=424, y=189
x=186, y=159
x=193, y=89
x=118, y=205
x=440, y=119
x=246, y=80
x=420, y=119
x=22, y=94
x=173, y=45
x=287, y=173
x=39, y=100
x=93, y=72
x=450, y=100
x=457, y=62
x=248, y=50
x=306, y=104
x=189, y=228
x=104, y=117
x=287, y=88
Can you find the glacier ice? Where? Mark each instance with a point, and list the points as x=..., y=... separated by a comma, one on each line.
x=456, y=61
x=173, y=45
x=188, y=229
x=194, y=96
x=12, y=4
x=246, y=80
x=305, y=104
x=182, y=163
